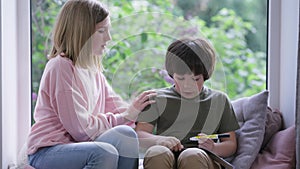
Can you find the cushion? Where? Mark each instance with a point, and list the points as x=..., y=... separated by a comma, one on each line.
x=251, y=115
x=273, y=125
x=280, y=152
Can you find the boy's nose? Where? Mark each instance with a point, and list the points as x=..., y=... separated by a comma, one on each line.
x=189, y=83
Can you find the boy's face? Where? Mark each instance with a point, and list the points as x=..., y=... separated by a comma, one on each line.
x=188, y=85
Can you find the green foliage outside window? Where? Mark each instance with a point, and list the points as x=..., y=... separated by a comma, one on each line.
x=142, y=30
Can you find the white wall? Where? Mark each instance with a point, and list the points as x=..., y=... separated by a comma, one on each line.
x=15, y=82
x=283, y=53
x=1, y=88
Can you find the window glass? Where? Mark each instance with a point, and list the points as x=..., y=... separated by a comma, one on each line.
x=142, y=30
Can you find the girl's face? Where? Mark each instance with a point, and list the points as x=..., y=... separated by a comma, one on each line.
x=101, y=37
x=188, y=85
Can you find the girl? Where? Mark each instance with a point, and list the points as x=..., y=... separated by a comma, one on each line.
x=80, y=122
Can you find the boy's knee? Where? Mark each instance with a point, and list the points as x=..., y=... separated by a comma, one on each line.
x=193, y=153
x=194, y=157
x=160, y=153
x=159, y=156
x=158, y=150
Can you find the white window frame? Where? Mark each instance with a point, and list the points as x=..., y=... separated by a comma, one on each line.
x=282, y=56
x=15, y=78
x=15, y=85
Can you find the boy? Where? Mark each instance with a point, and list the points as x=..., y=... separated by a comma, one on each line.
x=187, y=109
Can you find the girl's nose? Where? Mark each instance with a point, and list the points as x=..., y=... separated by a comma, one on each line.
x=108, y=37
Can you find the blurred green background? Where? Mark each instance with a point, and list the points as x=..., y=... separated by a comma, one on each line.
x=142, y=30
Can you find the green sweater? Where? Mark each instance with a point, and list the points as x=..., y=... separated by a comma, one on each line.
x=172, y=115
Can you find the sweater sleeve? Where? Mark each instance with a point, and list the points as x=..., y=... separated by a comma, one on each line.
x=228, y=122
x=72, y=107
x=115, y=104
x=76, y=119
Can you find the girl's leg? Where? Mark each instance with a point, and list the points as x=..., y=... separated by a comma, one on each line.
x=125, y=140
x=85, y=155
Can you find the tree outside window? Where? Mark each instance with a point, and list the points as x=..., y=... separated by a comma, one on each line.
x=142, y=30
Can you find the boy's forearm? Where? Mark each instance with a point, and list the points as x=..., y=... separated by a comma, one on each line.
x=146, y=139
x=225, y=148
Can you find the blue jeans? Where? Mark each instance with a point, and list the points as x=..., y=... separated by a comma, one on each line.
x=117, y=148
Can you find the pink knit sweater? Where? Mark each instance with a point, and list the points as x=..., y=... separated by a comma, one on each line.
x=73, y=105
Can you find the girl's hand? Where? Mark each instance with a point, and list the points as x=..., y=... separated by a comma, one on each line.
x=138, y=104
x=206, y=143
x=143, y=100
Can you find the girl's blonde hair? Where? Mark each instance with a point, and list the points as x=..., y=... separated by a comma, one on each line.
x=72, y=32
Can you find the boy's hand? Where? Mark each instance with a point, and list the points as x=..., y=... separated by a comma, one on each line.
x=206, y=143
x=170, y=142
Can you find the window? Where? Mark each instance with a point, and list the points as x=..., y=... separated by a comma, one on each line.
x=142, y=30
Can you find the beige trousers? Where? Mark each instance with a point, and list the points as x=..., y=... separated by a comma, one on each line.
x=160, y=157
